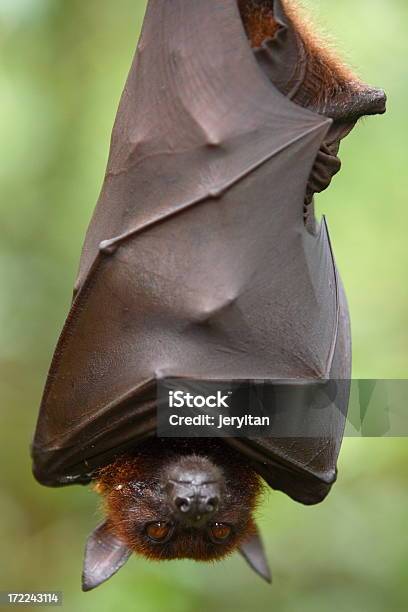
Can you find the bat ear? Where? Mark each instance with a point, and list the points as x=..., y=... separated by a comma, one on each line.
x=254, y=554
x=104, y=556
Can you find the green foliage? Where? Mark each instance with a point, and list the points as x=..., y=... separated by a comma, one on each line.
x=62, y=71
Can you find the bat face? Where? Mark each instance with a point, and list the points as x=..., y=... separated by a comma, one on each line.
x=180, y=500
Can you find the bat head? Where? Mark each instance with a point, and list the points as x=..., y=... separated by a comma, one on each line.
x=176, y=502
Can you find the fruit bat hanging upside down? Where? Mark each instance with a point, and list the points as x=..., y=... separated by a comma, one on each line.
x=204, y=261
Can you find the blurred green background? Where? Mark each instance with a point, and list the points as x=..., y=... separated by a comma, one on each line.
x=63, y=66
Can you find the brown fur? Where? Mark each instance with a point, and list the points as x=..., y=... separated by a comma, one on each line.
x=130, y=490
x=259, y=21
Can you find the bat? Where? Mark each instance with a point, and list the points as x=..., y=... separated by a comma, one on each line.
x=204, y=260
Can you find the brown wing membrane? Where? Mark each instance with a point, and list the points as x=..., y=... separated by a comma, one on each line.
x=197, y=262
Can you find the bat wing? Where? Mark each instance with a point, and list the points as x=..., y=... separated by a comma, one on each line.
x=197, y=262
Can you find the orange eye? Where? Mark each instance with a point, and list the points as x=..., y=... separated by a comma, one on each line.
x=220, y=532
x=159, y=532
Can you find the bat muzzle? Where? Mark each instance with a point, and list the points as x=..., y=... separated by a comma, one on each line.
x=194, y=489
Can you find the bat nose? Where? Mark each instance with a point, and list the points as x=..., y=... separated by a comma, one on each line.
x=195, y=505
x=194, y=487
x=195, y=500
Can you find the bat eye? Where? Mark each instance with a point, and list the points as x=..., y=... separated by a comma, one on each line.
x=220, y=532
x=159, y=532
